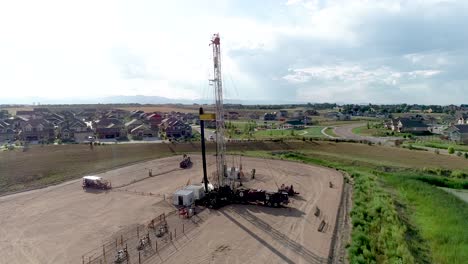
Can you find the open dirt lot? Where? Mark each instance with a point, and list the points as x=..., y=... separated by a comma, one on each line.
x=60, y=223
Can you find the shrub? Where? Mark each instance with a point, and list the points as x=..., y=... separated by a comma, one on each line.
x=458, y=174
x=375, y=208
x=451, y=150
x=466, y=155
x=459, y=153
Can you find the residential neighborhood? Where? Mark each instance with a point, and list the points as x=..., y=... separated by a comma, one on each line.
x=42, y=125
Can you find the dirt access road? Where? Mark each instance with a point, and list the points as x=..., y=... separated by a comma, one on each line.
x=60, y=223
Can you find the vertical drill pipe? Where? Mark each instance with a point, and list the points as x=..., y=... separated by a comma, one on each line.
x=202, y=132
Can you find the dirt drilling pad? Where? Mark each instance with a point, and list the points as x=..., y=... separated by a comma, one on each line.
x=62, y=223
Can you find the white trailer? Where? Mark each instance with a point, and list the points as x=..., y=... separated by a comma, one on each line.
x=183, y=198
x=198, y=191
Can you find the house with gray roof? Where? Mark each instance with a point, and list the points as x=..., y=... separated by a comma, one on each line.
x=407, y=125
x=458, y=133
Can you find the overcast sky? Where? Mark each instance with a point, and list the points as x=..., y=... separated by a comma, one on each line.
x=383, y=51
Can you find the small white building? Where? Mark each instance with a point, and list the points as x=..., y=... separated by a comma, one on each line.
x=183, y=197
x=198, y=191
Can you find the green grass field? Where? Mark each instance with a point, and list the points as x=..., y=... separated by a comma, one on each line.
x=314, y=132
x=330, y=131
x=441, y=145
x=377, y=132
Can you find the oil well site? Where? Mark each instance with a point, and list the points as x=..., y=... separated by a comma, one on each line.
x=92, y=226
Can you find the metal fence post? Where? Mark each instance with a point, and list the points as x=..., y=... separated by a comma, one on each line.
x=126, y=250
x=104, y=253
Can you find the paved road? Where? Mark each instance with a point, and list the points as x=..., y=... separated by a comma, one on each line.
x=346, y=131
x=209, y=133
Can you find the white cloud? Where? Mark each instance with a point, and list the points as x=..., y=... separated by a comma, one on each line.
x=353, y=74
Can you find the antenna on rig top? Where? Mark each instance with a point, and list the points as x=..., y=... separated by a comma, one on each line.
x=218, y=90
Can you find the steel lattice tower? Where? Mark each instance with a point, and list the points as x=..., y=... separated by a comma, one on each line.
x=218, y=90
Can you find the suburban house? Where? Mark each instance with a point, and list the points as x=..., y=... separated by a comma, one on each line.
x=117, y=113
x=462, y=118
x=192, y=119
x=7, y=133
x=143, y=115
x=109, y=128
x=136, y=113
x=437, y=129
x=175, y=128
x=142, y=131
x=337, y=116
x=87, y=114
x=154, y=119
x=411, y=126
x=130, y=125
x=298, y=114
x=37, y=129
x=231, y=115
x=4, y=114
x=55, y=119
x=253, y=115
x=29, y=114
x=391, y=124
x=281, y=114
x=74, y=130
x=269, y=116
x=458, y=133
x=311, y=112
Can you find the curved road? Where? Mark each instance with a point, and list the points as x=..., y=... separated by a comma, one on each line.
x=346, y=131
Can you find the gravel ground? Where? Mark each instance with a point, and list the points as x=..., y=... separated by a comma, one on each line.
x=60, y=223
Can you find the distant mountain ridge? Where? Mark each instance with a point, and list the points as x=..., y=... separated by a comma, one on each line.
x=130, y=99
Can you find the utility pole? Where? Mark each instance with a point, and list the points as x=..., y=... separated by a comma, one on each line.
x=218, y=89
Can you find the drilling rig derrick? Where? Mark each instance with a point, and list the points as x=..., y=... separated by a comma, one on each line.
x=218, y=92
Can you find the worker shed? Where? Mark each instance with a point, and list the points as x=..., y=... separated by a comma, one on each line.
x=198, y=191
x=183, y=197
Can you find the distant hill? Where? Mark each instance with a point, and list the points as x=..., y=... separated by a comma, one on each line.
x=133, y=99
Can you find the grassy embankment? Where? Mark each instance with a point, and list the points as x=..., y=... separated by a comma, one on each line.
x=377, y=130
x=253, y=130
x=399, y=215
